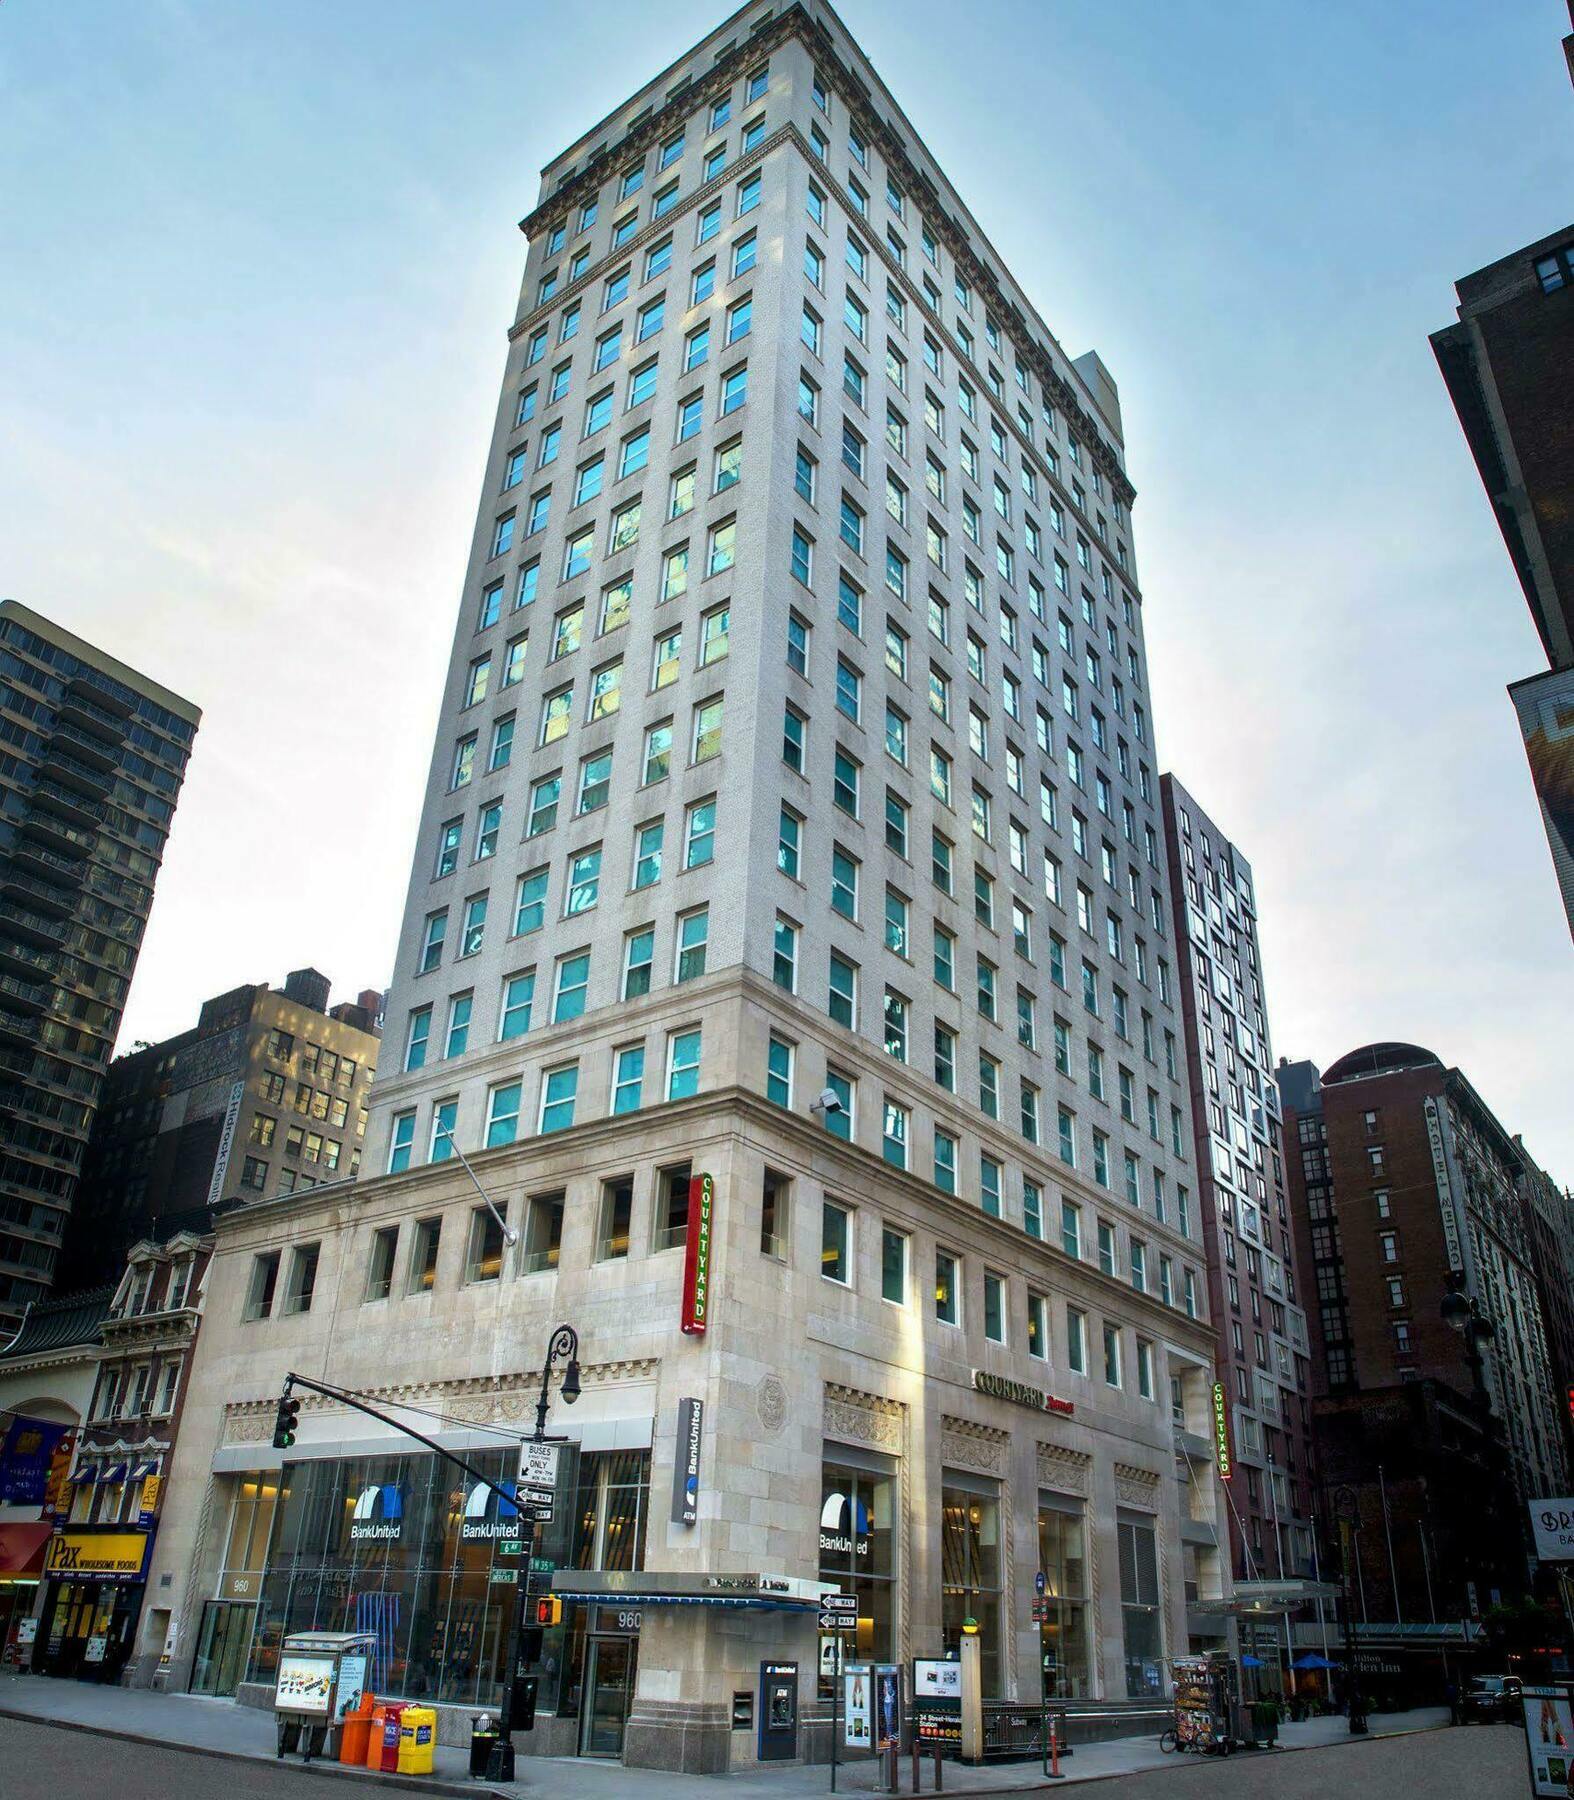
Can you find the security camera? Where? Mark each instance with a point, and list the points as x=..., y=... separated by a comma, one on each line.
x=828, y=1102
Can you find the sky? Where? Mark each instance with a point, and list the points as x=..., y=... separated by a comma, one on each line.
x=256, y=268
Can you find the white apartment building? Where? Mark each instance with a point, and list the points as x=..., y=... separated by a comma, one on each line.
x=792, y=821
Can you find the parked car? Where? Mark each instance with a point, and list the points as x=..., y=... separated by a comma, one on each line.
x=1493, y=1697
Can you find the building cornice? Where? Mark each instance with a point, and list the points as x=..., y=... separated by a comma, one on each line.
x=794, y=21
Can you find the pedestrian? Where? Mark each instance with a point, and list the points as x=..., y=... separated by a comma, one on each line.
x=1451, y=1694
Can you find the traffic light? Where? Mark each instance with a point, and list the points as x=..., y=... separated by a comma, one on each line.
x=549, y=1610
x=285, y=1422
x=522, y=1703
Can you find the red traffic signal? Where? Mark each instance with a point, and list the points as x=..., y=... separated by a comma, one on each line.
x=549, y=1610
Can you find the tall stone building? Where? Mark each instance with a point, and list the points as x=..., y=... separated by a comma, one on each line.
x=92, y=756
x=266, y=1093
x=1432, y=1379
x=1509, y=366
x=789, y=911
x=1255, y=1297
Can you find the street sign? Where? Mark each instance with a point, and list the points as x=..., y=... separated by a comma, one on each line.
x=537, y=1501
x=830, y=1621
x=840, y=1603
x=538, y=1464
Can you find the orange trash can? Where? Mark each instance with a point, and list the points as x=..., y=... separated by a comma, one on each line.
x=354, y=1730
x=382, y=1749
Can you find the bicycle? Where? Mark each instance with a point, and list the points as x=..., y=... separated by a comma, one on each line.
x=1168, y=1741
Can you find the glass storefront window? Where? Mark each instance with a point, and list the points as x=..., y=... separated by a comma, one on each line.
x=970, y=1575
x=611, y=1503
x=858, y=1556
x=407, y=1548
x=1141, y=1621
x=1062, y=1555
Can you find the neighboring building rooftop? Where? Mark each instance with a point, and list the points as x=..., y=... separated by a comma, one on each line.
x=60, y=1324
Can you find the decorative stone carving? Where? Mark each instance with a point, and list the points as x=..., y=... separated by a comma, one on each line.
x=1136, y=1487
x=1066, y=1471
x=770, y=1404
x=863, y=1418
x=966, y=1445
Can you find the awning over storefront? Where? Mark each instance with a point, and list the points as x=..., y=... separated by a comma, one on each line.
x=115, y=1472
x=82, y=1476
x=22, y=1551
x=649, y=1587
x=145, y=1469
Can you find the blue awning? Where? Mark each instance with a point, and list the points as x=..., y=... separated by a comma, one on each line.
x=116, y=1472
x=744, y=1603
x=88, y=1472
x=144, y=1469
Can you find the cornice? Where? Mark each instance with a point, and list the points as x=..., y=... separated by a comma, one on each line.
x=795, y=22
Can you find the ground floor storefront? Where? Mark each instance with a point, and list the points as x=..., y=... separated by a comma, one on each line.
x=93, y=1585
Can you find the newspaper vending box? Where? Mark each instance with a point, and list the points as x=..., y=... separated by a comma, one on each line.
x=321, y=1678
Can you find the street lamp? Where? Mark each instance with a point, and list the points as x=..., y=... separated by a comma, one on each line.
x=563, y=1343
x=1462, y=1312
x=1347, y=1508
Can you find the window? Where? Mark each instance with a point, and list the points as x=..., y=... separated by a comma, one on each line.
x=779, y=1071
x=571, y=984
x=426, y=1242
x=432, y=941
x=693, y=931
x=699, y=834
x=639, y=951
x=543, y=1234
x=401, y=1142
x=514, y=1015
x=380, y=1266
x=707, y=730
x=896, y=1122
x=458, y=1035
x=948, y=1299
x=842, y=1004
x=994, y=1307
x=559, y=1089
x=683, y=1064
x=1076, y=1341
x=945, y=1161
x=264, y=1281
x=836, y=1225
x=416, y=1038
x=839, y=1118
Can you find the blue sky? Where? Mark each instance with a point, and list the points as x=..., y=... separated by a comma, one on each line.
x=256, y=265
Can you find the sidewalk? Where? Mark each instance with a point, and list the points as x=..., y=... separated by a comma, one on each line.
x=222, y=1726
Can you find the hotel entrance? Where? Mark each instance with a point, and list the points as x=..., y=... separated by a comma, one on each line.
x=610, y=1664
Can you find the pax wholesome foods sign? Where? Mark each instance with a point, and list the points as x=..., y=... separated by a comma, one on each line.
x=696, y=1257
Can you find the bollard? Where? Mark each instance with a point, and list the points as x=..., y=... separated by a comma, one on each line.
x=1054, y=1753
x=939, y=1765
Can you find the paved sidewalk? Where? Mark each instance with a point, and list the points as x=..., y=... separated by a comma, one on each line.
x=222, y=1726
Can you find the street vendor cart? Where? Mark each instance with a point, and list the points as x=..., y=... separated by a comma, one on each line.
x=1207, y=1693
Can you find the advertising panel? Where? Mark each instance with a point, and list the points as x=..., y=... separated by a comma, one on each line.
x=1545, y=705
x=1552, y=1522
x=696, y=1257
x=1549, y=1740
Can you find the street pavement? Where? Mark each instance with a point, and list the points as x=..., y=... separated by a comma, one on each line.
x=52, y=1744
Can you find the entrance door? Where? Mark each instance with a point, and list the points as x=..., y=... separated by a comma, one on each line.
x=609, y=1686
x=222, y=1644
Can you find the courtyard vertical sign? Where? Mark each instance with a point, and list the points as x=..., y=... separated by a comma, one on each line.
x=696, y=1257
x=1221, y=1432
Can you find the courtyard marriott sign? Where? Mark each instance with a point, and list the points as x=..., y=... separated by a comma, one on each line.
x=1221, y=1432
x=1019, y=1393
x=696, y=1257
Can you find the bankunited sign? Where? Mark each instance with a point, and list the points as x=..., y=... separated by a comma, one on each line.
x=1019, y=1393
x=378, y=1515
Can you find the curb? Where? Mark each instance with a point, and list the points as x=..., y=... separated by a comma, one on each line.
x=1173, y=1765
x=406, y=1784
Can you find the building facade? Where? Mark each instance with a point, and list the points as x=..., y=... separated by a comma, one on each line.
x=266, y=1093
x=92, y=756
x=93, y=1621
x=1404, y=1189
x=1509, y=367
x=1255, y=1297
x=48, y=1367
x=791, y=824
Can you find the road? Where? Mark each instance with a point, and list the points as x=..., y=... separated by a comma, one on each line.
x=45, y=1762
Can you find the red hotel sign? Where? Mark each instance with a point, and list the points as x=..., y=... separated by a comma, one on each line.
x=1221, y=1432
x=696, y=1256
